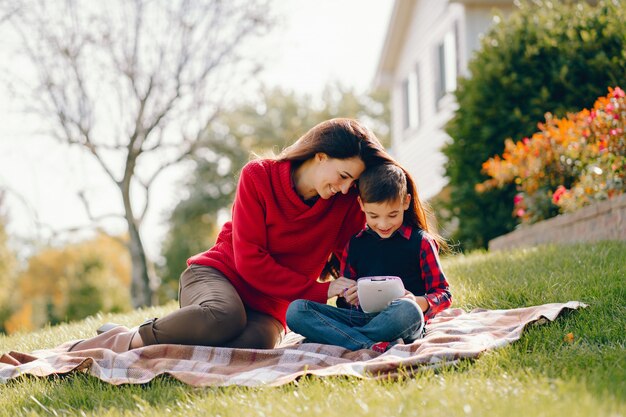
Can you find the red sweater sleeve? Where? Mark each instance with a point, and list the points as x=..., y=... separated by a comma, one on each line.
x=252, y=259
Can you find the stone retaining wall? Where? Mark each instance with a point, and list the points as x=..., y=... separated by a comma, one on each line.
x=605, y=220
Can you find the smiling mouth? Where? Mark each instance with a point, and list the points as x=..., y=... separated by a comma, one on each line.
x=384, y=232
x=332, y=190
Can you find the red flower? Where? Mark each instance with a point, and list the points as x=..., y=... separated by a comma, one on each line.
x=558, y=193
x=618, y=93
x=520, y=212
x=518, y=199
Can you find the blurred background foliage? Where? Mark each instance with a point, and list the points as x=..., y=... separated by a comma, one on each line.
x=547, y=56
x=8, y=272
x=68, y=283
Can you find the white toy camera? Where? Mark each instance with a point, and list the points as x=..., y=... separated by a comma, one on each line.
x=375, y=293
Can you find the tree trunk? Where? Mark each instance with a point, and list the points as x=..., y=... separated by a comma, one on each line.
x=140, y=289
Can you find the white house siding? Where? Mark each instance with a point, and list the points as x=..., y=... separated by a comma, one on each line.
x=477, y=21
x=419, y=149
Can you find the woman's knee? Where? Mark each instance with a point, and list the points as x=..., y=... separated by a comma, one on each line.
x=231, y=315
x=211, y=325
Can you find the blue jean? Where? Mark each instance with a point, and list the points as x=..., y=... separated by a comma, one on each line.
x=352, y=328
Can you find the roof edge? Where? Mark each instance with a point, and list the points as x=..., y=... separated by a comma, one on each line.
x=397, y=29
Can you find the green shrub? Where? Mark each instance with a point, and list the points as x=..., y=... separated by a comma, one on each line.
x=546, y=57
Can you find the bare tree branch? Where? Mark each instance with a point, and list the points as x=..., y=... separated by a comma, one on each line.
x=91, y=216
x=12, y=9
x=128, y=81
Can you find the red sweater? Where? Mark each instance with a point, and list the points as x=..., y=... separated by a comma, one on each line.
x=276, y=246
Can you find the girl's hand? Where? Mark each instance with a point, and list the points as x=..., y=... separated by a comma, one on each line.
x=351, y=295
x=420, y=300
x=338, y=286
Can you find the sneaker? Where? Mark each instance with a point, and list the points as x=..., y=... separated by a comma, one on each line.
x=381, y=347
x=106, y=327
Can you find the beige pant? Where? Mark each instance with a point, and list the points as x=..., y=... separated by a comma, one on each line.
x=212, y=314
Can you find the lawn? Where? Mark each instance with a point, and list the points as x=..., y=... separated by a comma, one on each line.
x=543, y=374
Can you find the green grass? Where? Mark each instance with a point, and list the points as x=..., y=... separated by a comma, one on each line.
x=540, y=375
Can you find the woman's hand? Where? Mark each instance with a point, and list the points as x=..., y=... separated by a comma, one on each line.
x=338, y=286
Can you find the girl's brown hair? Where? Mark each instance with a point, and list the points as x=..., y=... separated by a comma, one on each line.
x=389, y=181
x=343, y=138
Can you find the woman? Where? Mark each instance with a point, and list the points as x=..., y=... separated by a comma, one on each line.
x=289, y=215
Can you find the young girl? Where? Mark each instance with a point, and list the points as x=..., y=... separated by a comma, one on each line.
x=394, y=242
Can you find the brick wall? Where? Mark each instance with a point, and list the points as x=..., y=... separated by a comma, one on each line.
x=605, y=220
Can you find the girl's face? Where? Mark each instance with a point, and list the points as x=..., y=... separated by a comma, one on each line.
x=334, y=176
x=385, y=217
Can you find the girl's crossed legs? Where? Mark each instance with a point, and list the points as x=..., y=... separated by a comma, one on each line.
x=353, y=328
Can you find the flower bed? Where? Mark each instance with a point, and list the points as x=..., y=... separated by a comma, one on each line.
x=570, y=163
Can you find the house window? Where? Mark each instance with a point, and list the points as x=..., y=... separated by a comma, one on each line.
x=410, y=95
x=448, y=65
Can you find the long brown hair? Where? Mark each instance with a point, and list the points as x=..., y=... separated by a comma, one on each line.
x=340, y=139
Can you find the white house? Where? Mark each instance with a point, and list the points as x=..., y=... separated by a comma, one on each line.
x=427, y=46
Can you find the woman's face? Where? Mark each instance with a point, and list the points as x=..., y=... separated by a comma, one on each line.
x=334, y=176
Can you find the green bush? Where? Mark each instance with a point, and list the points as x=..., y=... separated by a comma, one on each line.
x=546, y=57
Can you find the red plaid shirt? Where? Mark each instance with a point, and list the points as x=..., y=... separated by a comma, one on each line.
x=438, y=293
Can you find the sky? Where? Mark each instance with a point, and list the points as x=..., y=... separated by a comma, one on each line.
x=316, y=42
x=330, y=40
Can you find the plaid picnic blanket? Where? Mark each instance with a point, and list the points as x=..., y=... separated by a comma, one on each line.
x=451, y=336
